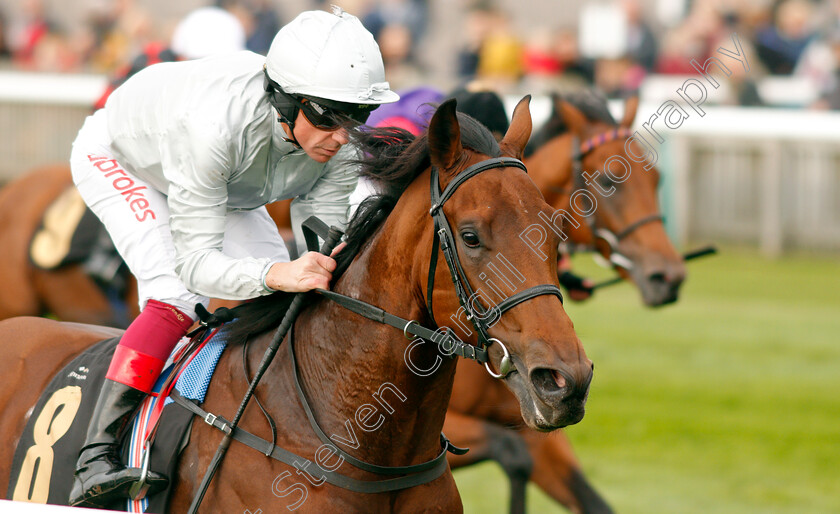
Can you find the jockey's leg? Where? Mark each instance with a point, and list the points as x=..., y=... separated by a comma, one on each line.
x=144, y=241
x=100, y=477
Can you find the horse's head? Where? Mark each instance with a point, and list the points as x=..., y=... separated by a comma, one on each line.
x=509, y=288
x=623, y=223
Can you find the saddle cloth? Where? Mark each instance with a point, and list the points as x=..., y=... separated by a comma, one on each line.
x=46, y=453
x=69, y=233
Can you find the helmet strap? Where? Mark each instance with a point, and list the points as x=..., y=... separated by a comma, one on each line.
x=287, y=110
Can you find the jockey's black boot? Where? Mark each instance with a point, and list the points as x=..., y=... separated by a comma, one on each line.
x=100, y=477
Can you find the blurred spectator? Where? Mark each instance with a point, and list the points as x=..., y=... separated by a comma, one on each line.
x=203, y=32
x=830, y=90
x=540, y=56
x=642, y=46
x=500, y=55
x=695, y=38
x=575, y=66
x=743, y=83
x=54, y=52
x=31, y=31
x=780, y=45
x=479, y=22
x=120, y=29
x=679, y=48
x=395, y=44
x=411, y=15
x=820, y=59
x=618, y=78
x=5, y=50
x=707, y=28
x=259, y=19
x=622, y=44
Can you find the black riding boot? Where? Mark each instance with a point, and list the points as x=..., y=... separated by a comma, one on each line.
x=100, y=477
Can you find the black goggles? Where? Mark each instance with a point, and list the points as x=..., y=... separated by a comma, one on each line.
x=324, y=116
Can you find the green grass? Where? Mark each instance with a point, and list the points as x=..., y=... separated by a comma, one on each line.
x=727, y=402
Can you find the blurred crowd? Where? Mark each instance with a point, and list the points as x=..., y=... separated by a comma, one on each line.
x=613, y=46
x=793, y=46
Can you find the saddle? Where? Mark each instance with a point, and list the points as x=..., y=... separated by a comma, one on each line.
x=44, y=460
x=70, y=233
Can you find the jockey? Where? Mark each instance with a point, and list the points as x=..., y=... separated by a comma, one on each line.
x=178, y=166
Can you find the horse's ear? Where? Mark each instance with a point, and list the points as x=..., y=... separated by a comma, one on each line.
x=574, y=119
x=445, y=136
x=519, y=131
x=630, y=107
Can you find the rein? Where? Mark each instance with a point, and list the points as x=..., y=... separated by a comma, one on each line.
x=416, y=474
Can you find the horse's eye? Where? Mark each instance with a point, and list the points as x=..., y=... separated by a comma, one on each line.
x=470, y=239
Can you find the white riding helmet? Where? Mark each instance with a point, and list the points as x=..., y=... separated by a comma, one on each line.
x=208, y=31
x=330, y=56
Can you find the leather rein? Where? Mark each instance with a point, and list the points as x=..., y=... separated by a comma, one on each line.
x=428, y=471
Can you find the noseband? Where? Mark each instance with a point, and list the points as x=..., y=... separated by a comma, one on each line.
x=444, y=238
x=580, y=150
x=481, y=318
x=416, y=474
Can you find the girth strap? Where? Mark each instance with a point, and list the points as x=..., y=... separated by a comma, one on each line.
x=331, y=477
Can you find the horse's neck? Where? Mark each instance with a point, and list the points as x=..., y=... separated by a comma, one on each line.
x=550, y=166
x=352, y=366
x=552, y=170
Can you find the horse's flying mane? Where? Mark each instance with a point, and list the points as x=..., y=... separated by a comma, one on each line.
x=391, y=158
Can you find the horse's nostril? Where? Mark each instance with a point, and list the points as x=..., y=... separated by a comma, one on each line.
x=558, y=379
x=659, y=276
x=549, y=382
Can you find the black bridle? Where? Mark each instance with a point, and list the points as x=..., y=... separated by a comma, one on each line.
x=444, y=242
x=412, y=475
x=443, y=237
x=612, y=239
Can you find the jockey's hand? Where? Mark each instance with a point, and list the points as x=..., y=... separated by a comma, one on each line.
x=578, y=288
x=310, y=271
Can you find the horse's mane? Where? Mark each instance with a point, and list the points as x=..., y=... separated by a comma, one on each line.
x=391, y=158
x=591, y=104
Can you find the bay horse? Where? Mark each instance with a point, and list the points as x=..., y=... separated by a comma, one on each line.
x=481, y=200
x=484, y=416
x=551, y=462
x=67, y=292
x=569, y=156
